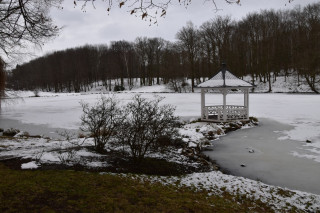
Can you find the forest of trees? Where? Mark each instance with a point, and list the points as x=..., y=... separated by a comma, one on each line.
x=261, y=44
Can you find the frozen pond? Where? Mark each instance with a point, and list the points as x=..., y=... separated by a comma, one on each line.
x=272, y=161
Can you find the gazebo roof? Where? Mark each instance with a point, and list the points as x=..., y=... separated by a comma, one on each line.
x=222, y=79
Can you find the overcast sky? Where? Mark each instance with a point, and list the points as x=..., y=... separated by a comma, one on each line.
x=95, y=26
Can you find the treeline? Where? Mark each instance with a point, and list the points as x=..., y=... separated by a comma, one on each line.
x=261, y=44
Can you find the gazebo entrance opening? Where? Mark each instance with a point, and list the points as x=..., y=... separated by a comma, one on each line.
x=224, y=82
x=222, y=113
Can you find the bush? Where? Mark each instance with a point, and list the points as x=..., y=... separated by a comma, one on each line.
x=145, y=124
x=254, y=119
x=141, y=126
x=165, y=142
x=102, y=120
x=178, y=85
x=23, y=134
x=11, y=132
x=118, y=88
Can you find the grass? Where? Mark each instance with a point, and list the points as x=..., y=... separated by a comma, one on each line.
x=77, y=191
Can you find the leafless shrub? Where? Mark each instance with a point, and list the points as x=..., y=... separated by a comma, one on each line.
x=144, y=124
x=67, y=135
x=38, y=156
x=11, y=132
x=67, y=156
x=179, y=85
x=72, y=138
x=81, y=135
x=102, y=120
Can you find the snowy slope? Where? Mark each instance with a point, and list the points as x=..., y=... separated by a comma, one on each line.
x=282, y=84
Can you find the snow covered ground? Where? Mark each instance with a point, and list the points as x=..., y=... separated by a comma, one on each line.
x=217, y=183
x=283, y=84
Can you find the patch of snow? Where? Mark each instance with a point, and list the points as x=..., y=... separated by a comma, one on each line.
x=315, y=144
x=30, y=165
x=194, y=132
x=190, y=135
x=86, y=153
x=246, y=126
x=186, y=140
x=191, y=144
x=50, y=157
x=308, y=156
x=96, y=164
x=152, y=89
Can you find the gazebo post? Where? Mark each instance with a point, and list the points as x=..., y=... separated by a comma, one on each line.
x=247, y=102
x=203, y=101
x=224, y=92
x=245, y=98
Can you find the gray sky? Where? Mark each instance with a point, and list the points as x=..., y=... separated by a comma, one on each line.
x=95, y=26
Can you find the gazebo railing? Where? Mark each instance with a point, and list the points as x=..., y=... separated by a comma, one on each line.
x=233, y=112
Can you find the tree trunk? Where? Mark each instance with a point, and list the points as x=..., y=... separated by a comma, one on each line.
x=269, y=80
x=311, y=83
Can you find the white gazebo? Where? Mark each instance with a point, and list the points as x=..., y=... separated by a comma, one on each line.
x=225, y=81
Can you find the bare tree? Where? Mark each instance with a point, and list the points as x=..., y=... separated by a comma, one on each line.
x=154, y=50
x=189, y=39
x=149, y=10
x=141, y=50
x=124, y=50
x=152, y=10
x=312, y=37
x=25, y=21
x=263, y=45
x=216, y=40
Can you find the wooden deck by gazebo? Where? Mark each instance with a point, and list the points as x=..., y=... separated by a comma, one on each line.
x=225, y=81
